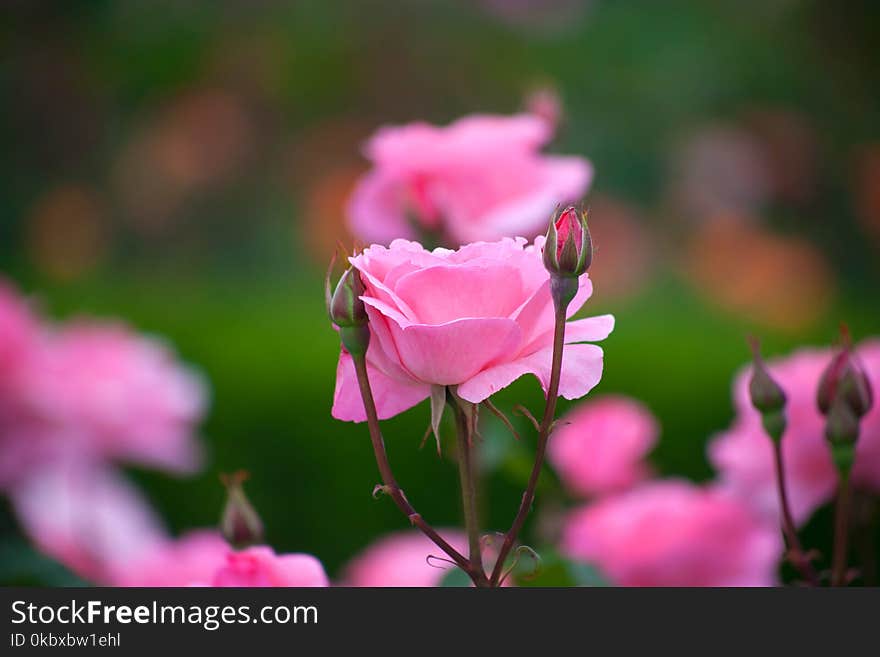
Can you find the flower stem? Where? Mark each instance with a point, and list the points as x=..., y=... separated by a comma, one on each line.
x=541, y=447
x=468, y=486
x=795, y=552
x=841, y=531
x=391, y=486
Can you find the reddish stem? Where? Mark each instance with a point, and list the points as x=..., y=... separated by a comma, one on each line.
x=795, y=551
x=841, y=532
x=390, y=483
x=541, y=447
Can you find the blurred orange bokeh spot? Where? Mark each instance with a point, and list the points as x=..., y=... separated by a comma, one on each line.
x=202, y=140
x=67, y=233
x=779, y=281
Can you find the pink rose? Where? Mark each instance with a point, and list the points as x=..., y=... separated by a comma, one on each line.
x=480, y=178
x=601, y=445
x=477, y=318
x=260, y=566
x=743, y=455
x=115, y=394
x=85, y=516
x=401, y=559
x=673, y=533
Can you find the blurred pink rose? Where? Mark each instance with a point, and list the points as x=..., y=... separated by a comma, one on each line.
x=117, y=395
x=260, y=566
x=602, y=447
x=480, y=178
x=477, y=318
x=743, y=455
x=85, y=516
x=203, y=558
x=673, y=533
x=401, y=559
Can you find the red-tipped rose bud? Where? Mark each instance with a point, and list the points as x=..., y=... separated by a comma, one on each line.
x=767, y=396
x=844, y=379
x=568, y=251
x=348, y=312
x=240, y=525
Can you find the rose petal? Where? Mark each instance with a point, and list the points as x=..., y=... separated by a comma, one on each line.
x=447, y=354
x=581, y=371
x=391, y=395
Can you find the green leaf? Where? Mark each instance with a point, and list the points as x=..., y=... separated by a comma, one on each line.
x=455, y=578
x=556, y=570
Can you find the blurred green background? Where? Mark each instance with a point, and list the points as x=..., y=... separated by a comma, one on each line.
x=185, y=165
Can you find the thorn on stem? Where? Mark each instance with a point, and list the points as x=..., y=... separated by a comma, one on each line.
x=501, y=416
x=379, y=490
x=522, y=410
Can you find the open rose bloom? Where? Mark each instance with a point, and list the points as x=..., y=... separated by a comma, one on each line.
x=480, y=178
x=477, y=318
x=743, y=454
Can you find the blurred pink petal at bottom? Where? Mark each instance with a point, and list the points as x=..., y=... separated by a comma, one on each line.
x=260, y=566
x=674, y=533
x=203, y=558
x=401, y=559
x=190, y=560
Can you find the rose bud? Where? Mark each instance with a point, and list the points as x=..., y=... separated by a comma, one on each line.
x=240, y=525
x=568, y=251
x=845, y=378
x=841, y=424
x=348, y=312
x=767, y=396
x=844, y=396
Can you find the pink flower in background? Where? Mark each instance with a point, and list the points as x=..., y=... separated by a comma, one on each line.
x=85, y=516
x=203, y=558
x=602, y=444
x=401, y=559
x=477, y=318
x=480, y=178
x=673, y=533
x=118, y=395
x=743, y=454
x=260, y=566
